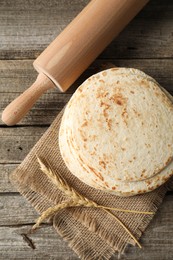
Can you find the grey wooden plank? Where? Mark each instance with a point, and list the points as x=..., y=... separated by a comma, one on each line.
x=157, y=240
x=5, y=184
x=44, y=111
x=16, y=76
x=16, y=142
x=15, y=210
x=27, y=27
x=48, y=245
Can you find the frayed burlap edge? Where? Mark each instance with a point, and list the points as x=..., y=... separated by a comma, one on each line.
x=108, y=243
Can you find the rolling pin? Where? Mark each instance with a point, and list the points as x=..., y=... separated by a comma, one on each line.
x=74, y=49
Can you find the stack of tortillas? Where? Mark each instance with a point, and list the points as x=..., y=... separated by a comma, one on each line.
x=116, y=133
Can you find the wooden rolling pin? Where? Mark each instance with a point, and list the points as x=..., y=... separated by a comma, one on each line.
x=64, y=60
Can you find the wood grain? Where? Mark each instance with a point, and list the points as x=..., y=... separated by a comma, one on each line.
x=5, y=184
x=27, y=27
x=16, y=142
x=49, y=245
x=17, y=75
x=15, y=210
x=16, y=213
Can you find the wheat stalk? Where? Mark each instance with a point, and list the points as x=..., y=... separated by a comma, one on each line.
x=64, y=187
x=74, y=195
x=51, y=211
x=126, y=229
x=77, y=200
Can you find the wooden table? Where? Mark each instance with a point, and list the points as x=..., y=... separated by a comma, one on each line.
x=26, y=28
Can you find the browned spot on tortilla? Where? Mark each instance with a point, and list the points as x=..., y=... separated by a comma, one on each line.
x=103, y=164
x=85, y=123
x=80, y=89
x=105, y=113
x=101, y=94
x=106, y=184
x=158, y=94
x=105, y=158
x=148, y=145
x=107, y=106
x=132, y=92
x=142, y=174
x=104, y=73
x=113, y=69
x=109, y=123
x=81, y=159
x=94, y=137
x=165, y=178
x=82, y=135
x=104, y=104
x=118, y=82
x=136, y=112
x=168, y=161
x=119, y=102
x=101, y=80
x=148, y=182
x=118, y=99
x=71, y=144
x=114, y=188
x=82, y=95
x=98, y=174
x=145, y=176
x=130, y=161
x=123, y=149
x=124, y=113
x=93, y=153
x=134, y=157
x=83, y=167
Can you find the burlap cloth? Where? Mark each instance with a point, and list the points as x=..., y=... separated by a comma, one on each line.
x=90, y=232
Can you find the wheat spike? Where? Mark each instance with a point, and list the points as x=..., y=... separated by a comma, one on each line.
x=77, y=200
x=51, y=211
x=74, y=195
x=64, y=187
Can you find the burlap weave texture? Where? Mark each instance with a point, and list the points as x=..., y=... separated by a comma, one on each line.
x=90, y=232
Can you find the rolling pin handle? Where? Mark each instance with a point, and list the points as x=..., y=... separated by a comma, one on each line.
x=18, y=108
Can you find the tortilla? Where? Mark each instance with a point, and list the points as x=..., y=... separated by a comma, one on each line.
x=116, y=132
